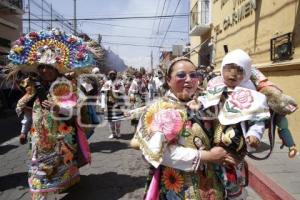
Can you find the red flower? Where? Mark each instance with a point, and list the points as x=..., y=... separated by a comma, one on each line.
x=72, y=40
x=33, y=35
x=231, y=175
x=80, y=56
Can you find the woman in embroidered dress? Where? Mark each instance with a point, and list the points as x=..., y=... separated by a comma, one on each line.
x=112, y=94
x=176, y=146
x=57, y=144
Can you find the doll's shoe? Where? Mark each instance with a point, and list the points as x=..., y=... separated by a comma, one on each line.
x=22, y=138
x=292, y=151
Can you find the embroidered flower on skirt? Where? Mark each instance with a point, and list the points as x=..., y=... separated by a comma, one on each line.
x=172, y=180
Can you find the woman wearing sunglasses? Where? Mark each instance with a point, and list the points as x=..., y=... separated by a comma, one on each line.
x=177, y=148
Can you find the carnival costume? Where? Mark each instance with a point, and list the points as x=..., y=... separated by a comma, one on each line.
x=58, y=144
x=112, y=98
x=172, y=142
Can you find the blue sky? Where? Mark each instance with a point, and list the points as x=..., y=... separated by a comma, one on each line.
x=145, y=32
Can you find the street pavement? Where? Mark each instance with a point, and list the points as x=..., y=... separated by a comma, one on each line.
x=116, y=171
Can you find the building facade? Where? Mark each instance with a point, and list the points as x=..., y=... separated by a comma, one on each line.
x=10, y=25
x=269, y=31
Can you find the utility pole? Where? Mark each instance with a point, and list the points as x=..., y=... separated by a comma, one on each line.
x=42, y=14
x=75, y=20
x=51, y=16
x=29, y=22
x=99, y=39
x=151, y=57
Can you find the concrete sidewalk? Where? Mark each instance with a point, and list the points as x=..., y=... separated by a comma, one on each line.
x=276, y=178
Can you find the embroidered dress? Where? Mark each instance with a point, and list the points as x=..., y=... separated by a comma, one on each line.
x=58, y=144
x=55, y=144
x=112, y=98
x=172, y=146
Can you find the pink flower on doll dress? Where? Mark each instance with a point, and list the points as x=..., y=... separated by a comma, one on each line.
x=241, y=99
x=168, y=122
x=68, y=100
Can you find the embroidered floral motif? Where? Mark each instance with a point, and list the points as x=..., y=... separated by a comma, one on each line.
x=149, y=115
x=32, y=131
x=64, y=128
x=61, y=90
x=231, y=108
x=241, y=99
x=172, y=180
x=169, y=122
x=215, y=90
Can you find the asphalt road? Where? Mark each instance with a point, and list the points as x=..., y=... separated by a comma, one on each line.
x=116, y=171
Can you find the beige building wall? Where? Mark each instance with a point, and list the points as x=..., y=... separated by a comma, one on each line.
x=194, y=41
x=260, y=22
x=254, y=32
x=289, y=82
x=10, y=26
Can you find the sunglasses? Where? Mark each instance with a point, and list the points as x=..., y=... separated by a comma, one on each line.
x=183, y=75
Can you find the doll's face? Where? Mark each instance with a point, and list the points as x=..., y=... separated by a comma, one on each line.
x=233, y=75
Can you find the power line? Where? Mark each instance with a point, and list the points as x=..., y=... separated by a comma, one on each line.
x=132, y=36
x=170, y=23
x=136, y=45
x=162, y=12
x=113, y=18
x=135, y=27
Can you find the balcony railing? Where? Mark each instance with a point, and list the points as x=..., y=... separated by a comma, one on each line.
x=11, y=5
x=16, y=3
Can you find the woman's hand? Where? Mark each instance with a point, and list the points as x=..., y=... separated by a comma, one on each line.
x=194, y=105
x=215, y=155
x=219, y=156
x=253, y=141
x=49, y=105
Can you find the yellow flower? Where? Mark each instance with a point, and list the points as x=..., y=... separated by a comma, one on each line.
x=36, y=183
x=66, y=176
x=172, y=180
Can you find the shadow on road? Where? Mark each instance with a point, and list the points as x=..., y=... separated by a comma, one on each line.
x=10, y=126
x=108, y=186
x=107, y=146
x=126, y=136
x=13, y=180
x=7, y=148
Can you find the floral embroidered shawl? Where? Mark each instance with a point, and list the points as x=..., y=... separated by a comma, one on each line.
x=242, y=103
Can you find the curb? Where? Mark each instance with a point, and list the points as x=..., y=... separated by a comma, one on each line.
x=265, y=187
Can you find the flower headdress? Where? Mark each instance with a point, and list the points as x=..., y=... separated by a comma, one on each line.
x=63, y=51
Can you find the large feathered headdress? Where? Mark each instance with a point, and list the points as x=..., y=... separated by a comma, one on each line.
x=63, y=51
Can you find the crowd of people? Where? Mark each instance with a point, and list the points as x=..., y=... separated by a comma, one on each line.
x=193, y=127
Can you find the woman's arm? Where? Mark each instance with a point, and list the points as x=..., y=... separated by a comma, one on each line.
x=188, y=159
